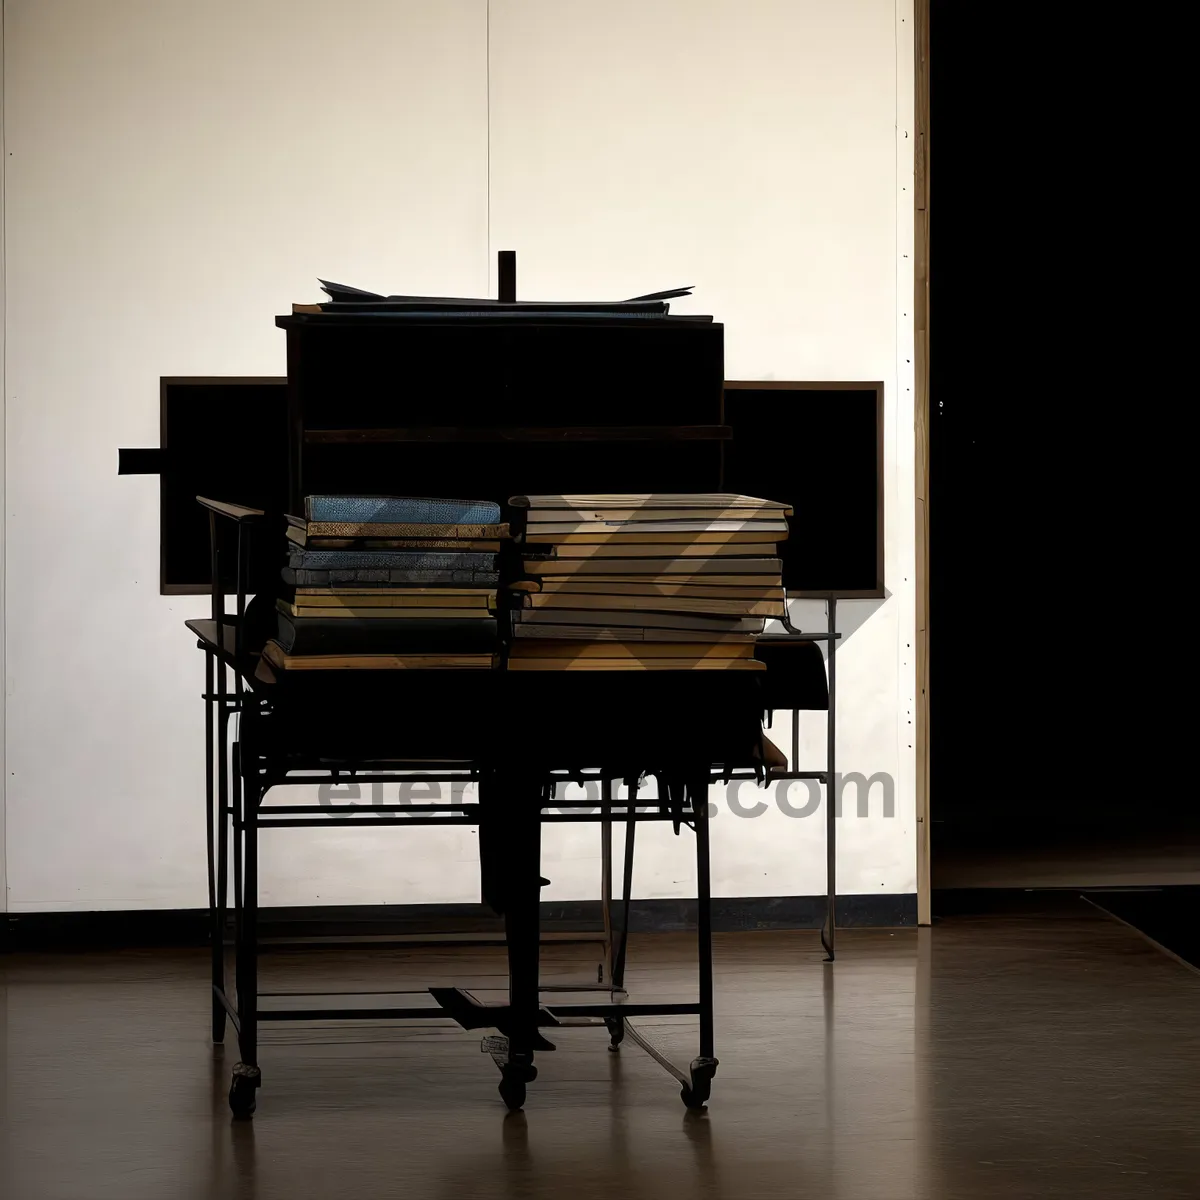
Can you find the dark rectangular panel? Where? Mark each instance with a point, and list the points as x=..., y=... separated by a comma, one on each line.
x=224, y=438
x=819, y=448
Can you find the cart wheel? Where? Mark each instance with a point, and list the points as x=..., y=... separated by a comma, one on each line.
x=512, y=1092
x=702, y=1072
x=616, y=1030
x=513, y=1079
x=242, y=1099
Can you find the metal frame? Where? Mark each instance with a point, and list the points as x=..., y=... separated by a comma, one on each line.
x=236, y=789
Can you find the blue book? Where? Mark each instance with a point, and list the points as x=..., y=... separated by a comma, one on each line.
x=400, y=510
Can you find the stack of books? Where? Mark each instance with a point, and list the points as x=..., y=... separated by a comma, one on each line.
x=389, y=583
x=645, y=582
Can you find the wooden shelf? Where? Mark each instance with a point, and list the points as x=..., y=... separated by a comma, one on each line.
x=537, y=433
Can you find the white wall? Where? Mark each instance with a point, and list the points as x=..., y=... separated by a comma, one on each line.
x=180, y=172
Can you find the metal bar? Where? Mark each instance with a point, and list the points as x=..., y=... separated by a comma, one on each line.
x=431, y=1013
x=342, y=777
x=658, y=1056
x=798, y=636
x=704, y=927
x=624, y=1010
x=228, y=1006
x=828, y=933
x=606, y=797
x=795, y=738
x=355, y=992
x=248, y=996
x=618, y=976
x=365, y=819
x=354, y=1014
x=302, y=809
x=210, y=783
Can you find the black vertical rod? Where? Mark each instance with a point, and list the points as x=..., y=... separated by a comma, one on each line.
x=506, y=265
x=239, y=902
x=210, y=779
x=618, y=971
x=216, y=814
x=222, y=829
x=831, y=790
x=248, y=988
x=522, y=914
x=606, y=818
x=704, y=916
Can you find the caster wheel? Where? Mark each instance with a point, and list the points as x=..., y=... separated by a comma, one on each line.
x=702, y=1072
x=242, y=1090
x=512, y=1092
x=616, y=1031
x=513, y=1079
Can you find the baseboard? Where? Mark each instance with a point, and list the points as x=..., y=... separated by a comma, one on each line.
x=450, y=922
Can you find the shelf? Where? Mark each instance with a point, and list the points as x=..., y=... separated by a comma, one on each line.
x=538, y=433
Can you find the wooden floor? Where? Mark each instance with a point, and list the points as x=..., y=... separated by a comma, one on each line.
x=996, y=1057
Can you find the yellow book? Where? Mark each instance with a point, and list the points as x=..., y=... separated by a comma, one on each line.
x=275, y=655
x=395, y=597
x=699, y=604
x=381, y=614
x=638, y=649
x=624, y=548
x=635, y=664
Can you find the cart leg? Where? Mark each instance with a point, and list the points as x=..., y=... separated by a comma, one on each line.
x=214, y=791
x=606, y=790
x=246, y=1076
x=704, y=1067
x=522, y=925
x=618, y=971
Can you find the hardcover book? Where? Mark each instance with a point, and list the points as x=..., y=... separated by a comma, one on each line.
x=416, y=510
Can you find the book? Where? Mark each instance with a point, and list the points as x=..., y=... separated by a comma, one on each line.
x=602, y=633
x=652, y=566
x=277, y=657
x=299, y=577
x=323, y=635
x=588, y=582
x=396, y=598
x=716, y=589
x=622, y=548
x=667, y=531
x=550, y=649
x=409, y=560
x=635, y=516
x=647, y=620
x=397, y=615
x=636, y=664
x=686, y=604
x=639, y=500
x=356, y=529
x=415, y=510
x=301, y=538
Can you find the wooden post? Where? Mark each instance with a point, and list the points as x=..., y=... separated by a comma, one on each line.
x=921, y=419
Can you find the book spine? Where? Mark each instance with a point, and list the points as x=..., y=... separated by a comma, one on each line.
x=410, y=560
x=314, y=635
x=301, y=577
x=417, y=510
